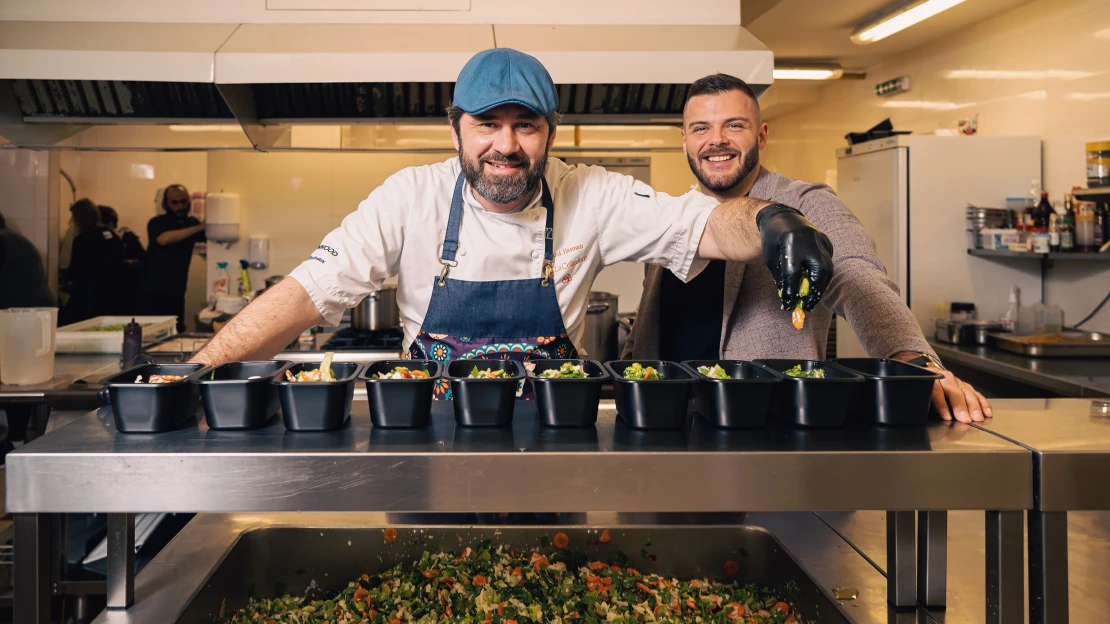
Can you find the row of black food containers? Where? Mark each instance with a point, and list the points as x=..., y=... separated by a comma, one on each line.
x=246, y=395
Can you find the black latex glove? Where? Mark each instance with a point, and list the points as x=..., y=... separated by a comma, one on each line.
x=794, y=248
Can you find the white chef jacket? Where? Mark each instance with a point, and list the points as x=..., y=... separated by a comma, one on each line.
x=601, y=218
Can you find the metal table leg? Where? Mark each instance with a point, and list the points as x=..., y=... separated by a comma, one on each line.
x=901, y=584
x=121, y=561
x=1005, y=567
x=932, y=557
x=32, y=568
x=1048, y=567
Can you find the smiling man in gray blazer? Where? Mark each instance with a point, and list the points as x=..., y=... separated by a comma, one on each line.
x=733, y=310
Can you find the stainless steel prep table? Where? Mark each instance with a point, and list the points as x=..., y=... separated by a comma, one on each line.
x=1072, y=377
x=88, y=467
x=1071, y=470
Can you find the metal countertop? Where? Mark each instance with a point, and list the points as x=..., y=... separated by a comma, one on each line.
x=1081, y=377
x=88, y=467
x=1071, y=449
x=68, y=369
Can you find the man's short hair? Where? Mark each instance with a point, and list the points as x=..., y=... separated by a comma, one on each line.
x=720, y=83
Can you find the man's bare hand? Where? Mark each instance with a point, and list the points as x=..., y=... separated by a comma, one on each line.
x=955, y=398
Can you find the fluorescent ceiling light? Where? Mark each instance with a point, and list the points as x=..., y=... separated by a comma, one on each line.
x=1088, y=97
x=900, y=20
x=1012, y=74
x=807, y=74
x=807, y=70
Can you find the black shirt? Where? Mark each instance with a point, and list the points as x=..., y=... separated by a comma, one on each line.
x=22, y=276
x=167, y=266
x=690, y=314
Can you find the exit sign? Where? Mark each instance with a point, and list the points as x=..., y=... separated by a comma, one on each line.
x=890, y=87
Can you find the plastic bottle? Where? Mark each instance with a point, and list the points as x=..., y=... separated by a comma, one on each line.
x=221, y=286
x=1010, y=316
x=132, y=343
x=1085, y=227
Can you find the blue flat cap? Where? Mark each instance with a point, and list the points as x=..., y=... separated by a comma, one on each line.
x=504, y=76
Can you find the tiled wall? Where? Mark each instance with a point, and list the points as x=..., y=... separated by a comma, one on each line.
x=129, y=181
x=24, y=178
x=1042, y=69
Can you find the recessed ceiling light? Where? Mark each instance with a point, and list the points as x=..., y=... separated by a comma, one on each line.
x=900, y=19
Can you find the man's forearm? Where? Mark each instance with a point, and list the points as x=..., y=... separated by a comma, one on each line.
x=264, y=327
x=731, y=232
x=176, y=236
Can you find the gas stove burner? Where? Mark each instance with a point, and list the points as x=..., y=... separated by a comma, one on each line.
x=351, y=339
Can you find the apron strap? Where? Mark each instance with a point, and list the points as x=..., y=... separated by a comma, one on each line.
x=548, y=234
x=454, y=221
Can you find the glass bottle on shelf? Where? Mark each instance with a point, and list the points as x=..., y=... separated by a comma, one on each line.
x=1013, y=309
x=1042, y=213
x=1066, y=228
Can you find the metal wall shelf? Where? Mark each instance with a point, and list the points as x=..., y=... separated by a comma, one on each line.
x=1029, y=255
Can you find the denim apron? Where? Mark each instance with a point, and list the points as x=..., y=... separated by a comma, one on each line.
x=507, y=319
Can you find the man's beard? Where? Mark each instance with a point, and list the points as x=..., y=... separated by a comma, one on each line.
x=748, y=163
x=502, y=189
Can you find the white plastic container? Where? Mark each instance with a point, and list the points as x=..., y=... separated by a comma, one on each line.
x=222, y=219
x=75, y=338
x=27, y=345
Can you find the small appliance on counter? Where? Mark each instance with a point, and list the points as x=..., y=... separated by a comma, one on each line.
x=967, y=332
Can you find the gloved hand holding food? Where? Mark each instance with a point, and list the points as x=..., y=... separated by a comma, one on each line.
x=798, y=255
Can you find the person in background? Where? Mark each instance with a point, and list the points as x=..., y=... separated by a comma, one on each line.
x=170, y=240
x=733, y=310
x=22, y=273
x=95, y=266
x=126, y=288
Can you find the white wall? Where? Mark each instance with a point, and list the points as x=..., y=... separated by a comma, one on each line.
x=1042, y=69
x=24, y=178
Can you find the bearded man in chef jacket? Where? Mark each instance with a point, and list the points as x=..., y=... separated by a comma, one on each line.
x=473, y=239
x=732, y=310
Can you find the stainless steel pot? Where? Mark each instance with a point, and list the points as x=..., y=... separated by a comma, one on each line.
x=377, y=311
x=600, y=341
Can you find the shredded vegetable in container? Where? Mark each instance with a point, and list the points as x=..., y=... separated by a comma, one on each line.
x=494, y=585
x=324, y=373
x=404, y=373
x=496, y=373
x=714, y=372
x=639, y=372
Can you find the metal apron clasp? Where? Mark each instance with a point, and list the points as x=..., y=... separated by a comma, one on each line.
x=447, y=264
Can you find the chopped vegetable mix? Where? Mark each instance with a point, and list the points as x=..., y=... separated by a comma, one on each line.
x=404, y=373
x=714, y=372
x=798, y=371
x=159, y=379
x=566, y=371
x=493, y=585
x=111, y=328
x=323, y=373
x=639, y=372
x=495, y=373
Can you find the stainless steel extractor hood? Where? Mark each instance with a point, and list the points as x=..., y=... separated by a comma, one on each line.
x=267, y=77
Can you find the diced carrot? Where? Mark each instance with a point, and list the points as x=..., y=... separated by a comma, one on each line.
x=791, y=620
x=781, y=606
x=479, y=580
x=509, y=622
x=597, y=565
x=655, y=611
x=361, y=593
x=394, y=620
x=643, y=588
x=431, y=573
x=732, y=568
x=389, y=535
x=615, y=568
x=606, y=581
x=632, y=572
x=561, y=541
x=605, y=537
x=516, y=572
x=501, y=609
x=541, y=562
x=448, y=581
x=365, y=577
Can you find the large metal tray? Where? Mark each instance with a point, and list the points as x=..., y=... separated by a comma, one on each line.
x=1088, y=344
x=270, y=561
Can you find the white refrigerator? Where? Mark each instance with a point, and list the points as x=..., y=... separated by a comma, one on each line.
x=911, y=194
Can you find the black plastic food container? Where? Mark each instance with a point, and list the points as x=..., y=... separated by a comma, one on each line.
x=568, y=402
x=484, y=402
x=658, y=404
x=233, y=400
x=893, y=392
x=400, y=403
x=742, y=402
x=317, y=405
x=813, y=402
x=153, y=408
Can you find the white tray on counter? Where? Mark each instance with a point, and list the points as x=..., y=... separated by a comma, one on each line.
x=74, y=338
